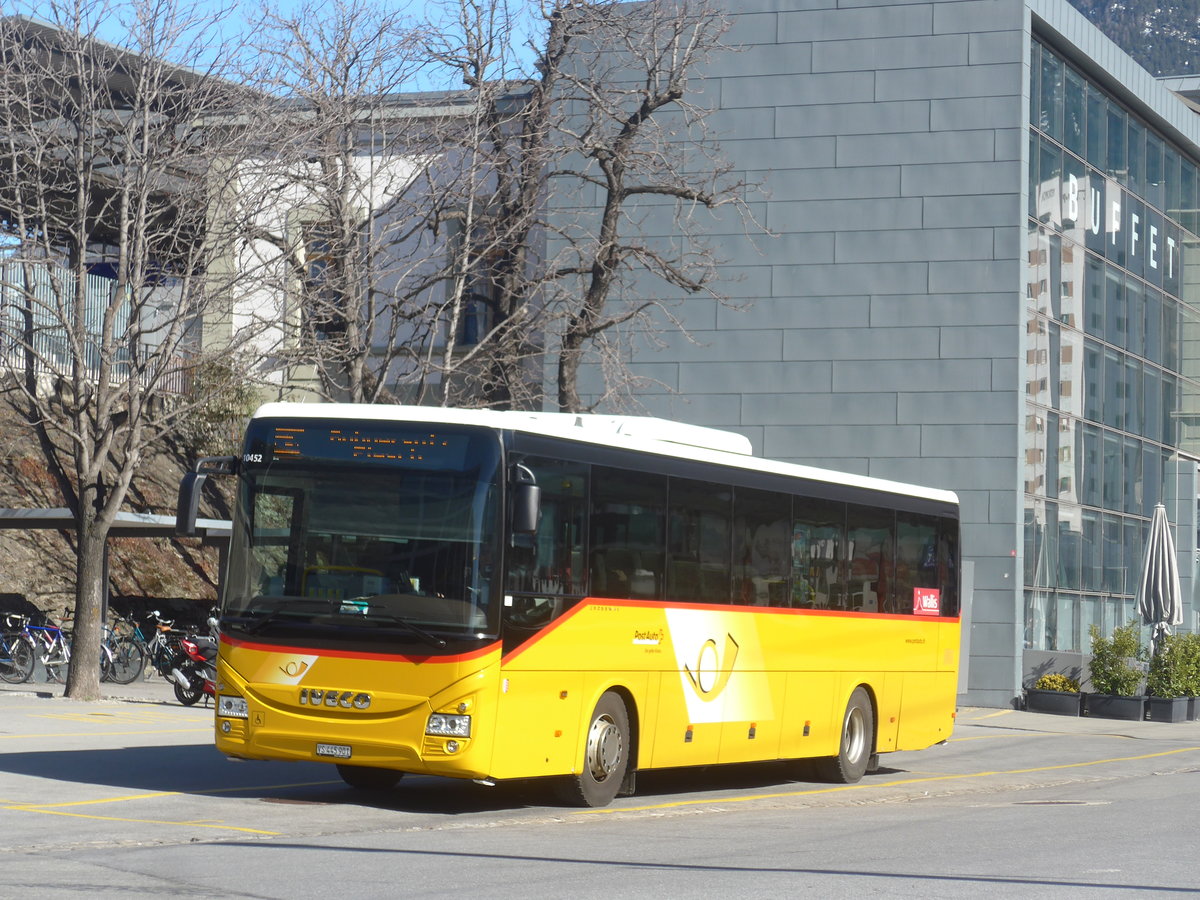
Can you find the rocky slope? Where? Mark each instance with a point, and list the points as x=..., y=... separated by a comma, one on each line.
x=37, y=568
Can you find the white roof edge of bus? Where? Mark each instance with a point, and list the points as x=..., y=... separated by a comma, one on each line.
x=645, y=433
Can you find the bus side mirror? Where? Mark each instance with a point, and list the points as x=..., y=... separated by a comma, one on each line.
x=191, y=486
x=526, y=501
x=189, y=503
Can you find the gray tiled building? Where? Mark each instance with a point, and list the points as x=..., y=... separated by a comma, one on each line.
x=983, y=278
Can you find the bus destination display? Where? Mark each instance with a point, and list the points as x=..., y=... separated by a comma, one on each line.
x=423, y=448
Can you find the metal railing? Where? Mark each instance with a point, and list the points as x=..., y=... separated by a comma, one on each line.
x=37, y=321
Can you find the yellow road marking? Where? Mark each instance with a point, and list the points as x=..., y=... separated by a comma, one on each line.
x=901, y=783
x=153, y=795
x=107, y=718
x=198, y=824
x=59, y=809
x=61, y=734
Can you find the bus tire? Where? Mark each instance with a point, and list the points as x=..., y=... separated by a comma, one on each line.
x=366, y=778
x=605, y=757
x=857, y=744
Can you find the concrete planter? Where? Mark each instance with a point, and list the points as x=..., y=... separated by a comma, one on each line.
x=1110, y=706
x=1167, y=709
x=1058, y=703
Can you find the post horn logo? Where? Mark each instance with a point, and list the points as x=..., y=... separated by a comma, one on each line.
x=295, y=668
x=712, y=669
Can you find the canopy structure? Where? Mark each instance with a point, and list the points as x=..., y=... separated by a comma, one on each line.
x=212, y=532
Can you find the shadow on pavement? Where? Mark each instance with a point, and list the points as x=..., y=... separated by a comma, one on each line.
x=200, y=769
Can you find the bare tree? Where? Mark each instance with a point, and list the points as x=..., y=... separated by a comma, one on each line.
x=640, y=138
x=108, y=156
x=586, y=176
x=436, y=246
x=497, y=264
x=355, y=212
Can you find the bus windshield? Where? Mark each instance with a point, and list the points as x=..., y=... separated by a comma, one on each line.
x=383, y=533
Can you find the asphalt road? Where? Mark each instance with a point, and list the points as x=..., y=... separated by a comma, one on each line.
x=129, y=797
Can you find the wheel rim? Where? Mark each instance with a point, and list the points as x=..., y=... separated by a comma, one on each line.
x=604, y=748
x=854, y=738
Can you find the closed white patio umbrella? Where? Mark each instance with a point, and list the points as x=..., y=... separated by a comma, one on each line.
x=1159, y=598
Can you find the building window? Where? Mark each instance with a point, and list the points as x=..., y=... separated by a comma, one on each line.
x=324, y=303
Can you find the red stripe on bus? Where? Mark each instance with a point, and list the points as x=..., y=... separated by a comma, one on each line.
x=723, y=607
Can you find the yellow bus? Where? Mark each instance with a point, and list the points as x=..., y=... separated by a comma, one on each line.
x=503, y=595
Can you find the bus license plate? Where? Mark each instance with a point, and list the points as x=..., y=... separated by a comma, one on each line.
x=337, y=751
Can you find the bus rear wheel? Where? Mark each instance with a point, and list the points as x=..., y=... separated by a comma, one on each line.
x=366, y=778
x=856, y=747
x=605, y=757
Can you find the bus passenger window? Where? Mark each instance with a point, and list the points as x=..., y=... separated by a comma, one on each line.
x=916, y=557
x=818, y=554
x=698, y=542
x=948, y=569
x=628, y=530
x=554, y=563
x=869, y=544
x=761, y=556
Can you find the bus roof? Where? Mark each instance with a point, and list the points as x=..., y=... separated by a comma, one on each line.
x=641, y=433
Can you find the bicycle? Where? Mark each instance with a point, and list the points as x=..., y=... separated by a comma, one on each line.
x=127, y=650
x=52, y=645
x=163, y=651
x=16, y=651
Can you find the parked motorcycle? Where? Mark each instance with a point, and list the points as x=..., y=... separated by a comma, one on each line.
x=194, y=674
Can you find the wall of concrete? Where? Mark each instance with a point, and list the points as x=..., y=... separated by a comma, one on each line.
x=879, y=325
x=881, y=328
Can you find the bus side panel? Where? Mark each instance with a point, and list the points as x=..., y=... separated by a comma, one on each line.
x=760, y=738
x=677, y=740
x=598, y=646
x=721, y=703
x=648, y=714
x=888, y=701
x=809, y=708
x=949, y=645
x=927, y=714
x=537, y=723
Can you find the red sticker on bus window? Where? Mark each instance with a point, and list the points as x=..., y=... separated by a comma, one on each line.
x=927, y=602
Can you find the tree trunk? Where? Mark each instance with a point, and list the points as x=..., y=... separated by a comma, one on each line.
x=569, y=357
x=83, y=680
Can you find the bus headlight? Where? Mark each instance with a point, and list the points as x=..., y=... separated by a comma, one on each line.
x=445, y=725
x=232, y=707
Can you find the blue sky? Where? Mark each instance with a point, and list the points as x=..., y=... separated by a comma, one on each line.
x=220, y=19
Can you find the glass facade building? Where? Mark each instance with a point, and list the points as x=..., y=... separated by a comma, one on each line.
x=1112, y=324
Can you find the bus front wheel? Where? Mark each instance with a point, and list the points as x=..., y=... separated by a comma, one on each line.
x=856, y=747
x=605, y=757
x=366, y=778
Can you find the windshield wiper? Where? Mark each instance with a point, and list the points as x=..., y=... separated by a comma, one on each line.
x=428, y=637
x=270, y=615
x=257, y=625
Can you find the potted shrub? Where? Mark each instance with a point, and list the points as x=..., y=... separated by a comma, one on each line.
x=1167, y=680
x=1115, y=674
x=1190, y=653
x=1054, y=693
